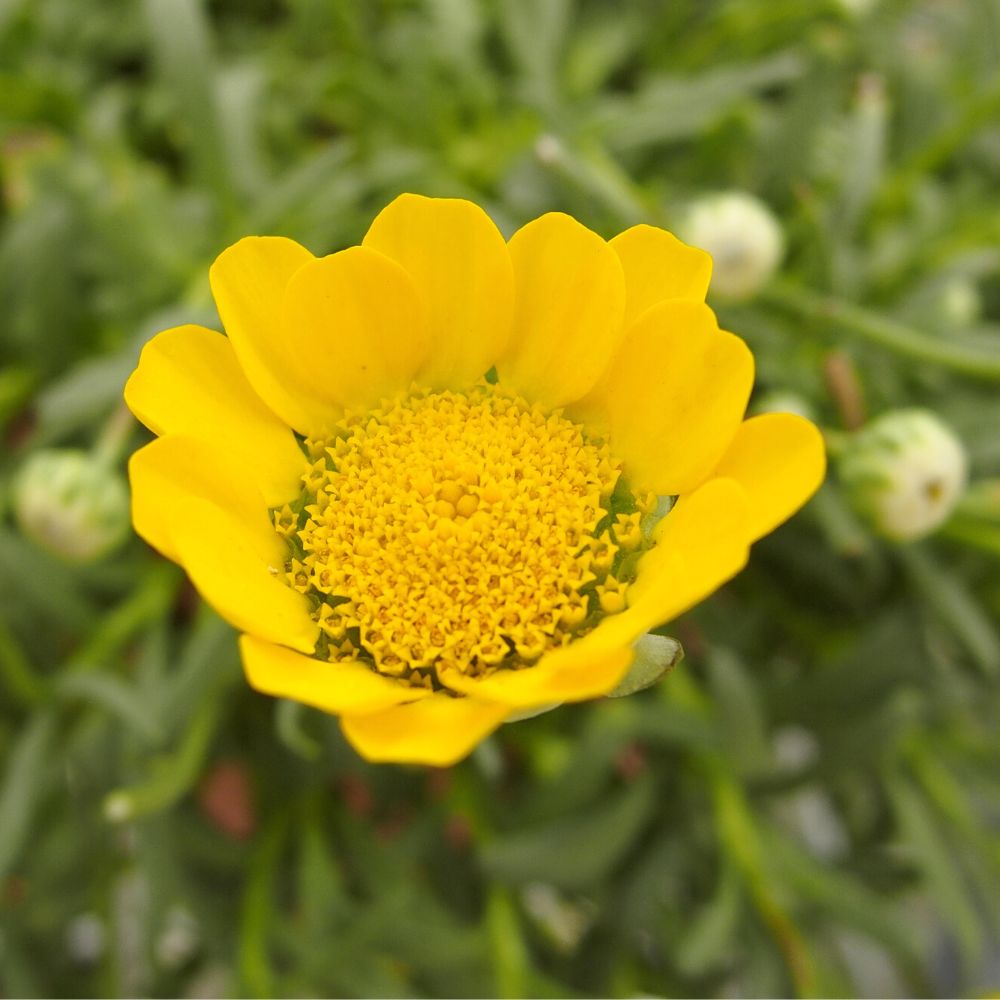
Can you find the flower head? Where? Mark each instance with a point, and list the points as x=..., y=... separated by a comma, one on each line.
x=905, y=470
x=71, y=503
x=427, y=476
x=743, y=237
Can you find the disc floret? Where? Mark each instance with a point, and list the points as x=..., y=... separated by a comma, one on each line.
x=449, y=532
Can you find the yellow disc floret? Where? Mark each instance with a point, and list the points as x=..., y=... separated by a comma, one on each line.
x=458, y=532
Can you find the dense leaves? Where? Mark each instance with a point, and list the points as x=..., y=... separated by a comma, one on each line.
x=808, y=804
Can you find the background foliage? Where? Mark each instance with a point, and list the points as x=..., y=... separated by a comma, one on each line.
x=809, y=805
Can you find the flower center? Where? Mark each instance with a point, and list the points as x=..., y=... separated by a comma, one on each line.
x=459, y=532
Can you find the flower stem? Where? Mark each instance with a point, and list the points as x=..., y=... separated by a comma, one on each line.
x=114, y=436
x=506, y=943
x=173, y=774
x=898, y=337
x=16, y=671
x=955, y=605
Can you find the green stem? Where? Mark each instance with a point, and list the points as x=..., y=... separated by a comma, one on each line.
x=510, y=958
x=955, y=605
x=895, y=336
x=983, y=536
x=835, y=441
x=114, y=437
x=254, y=967
x=739, y=838
x=596, y=173
x=288, y=724
x=844, y=532
x=23, y=783
x=18, y=676
x=146, y=604
x=979, y=110
x=173, y=774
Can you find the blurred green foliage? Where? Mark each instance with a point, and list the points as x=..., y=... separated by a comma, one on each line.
x=809, y=805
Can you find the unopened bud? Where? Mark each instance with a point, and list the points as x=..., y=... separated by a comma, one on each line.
x=71, y=504
x=905, y=471
x=179, y=939
x=86, y=938
x=784, y=401
x=959, y=303
x=743, y=237
x=548, y=149
x=857, y=8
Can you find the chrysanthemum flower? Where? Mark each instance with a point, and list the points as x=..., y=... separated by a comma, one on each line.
x=440, y=479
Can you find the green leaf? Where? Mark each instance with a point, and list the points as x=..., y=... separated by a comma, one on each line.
x=288, y=726
x=942, y=874
x=741, y=712
x=510, y=957
x=707, y=939
x=128, y=704
x=844, y=898
x=24, y=783
x=171, y=775
x=670, y=108
x=956, y=607
x=180, y=36
x=576, y=851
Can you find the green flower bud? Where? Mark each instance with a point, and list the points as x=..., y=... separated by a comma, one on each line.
x=71, y=504
x=905, y=471
x=743, y=237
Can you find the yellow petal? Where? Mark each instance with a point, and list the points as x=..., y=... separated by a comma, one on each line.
x=700, y=544
x=673, y=397
x=460, y=264
x=173, y=469
x=438, y=730
x=189, y=382
x=230, y=566
x=569, y=303
x=248, y=283
x=356, y=326
x=779, y=459
x=332, y=687
x=658, y=266
x=569, y=674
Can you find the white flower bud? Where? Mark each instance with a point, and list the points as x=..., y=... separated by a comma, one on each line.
x=784, y=401
x=179, y=938
x=960, y=303
x=548, y=149
x=86, y=938
x=857, y=8
x=564, y=922
x=905, y=471
x=71, y=504
x=743, y=237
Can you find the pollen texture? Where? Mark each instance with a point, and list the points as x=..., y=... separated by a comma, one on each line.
x=463, y=532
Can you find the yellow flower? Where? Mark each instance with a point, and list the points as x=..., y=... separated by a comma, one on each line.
x=422, y=475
